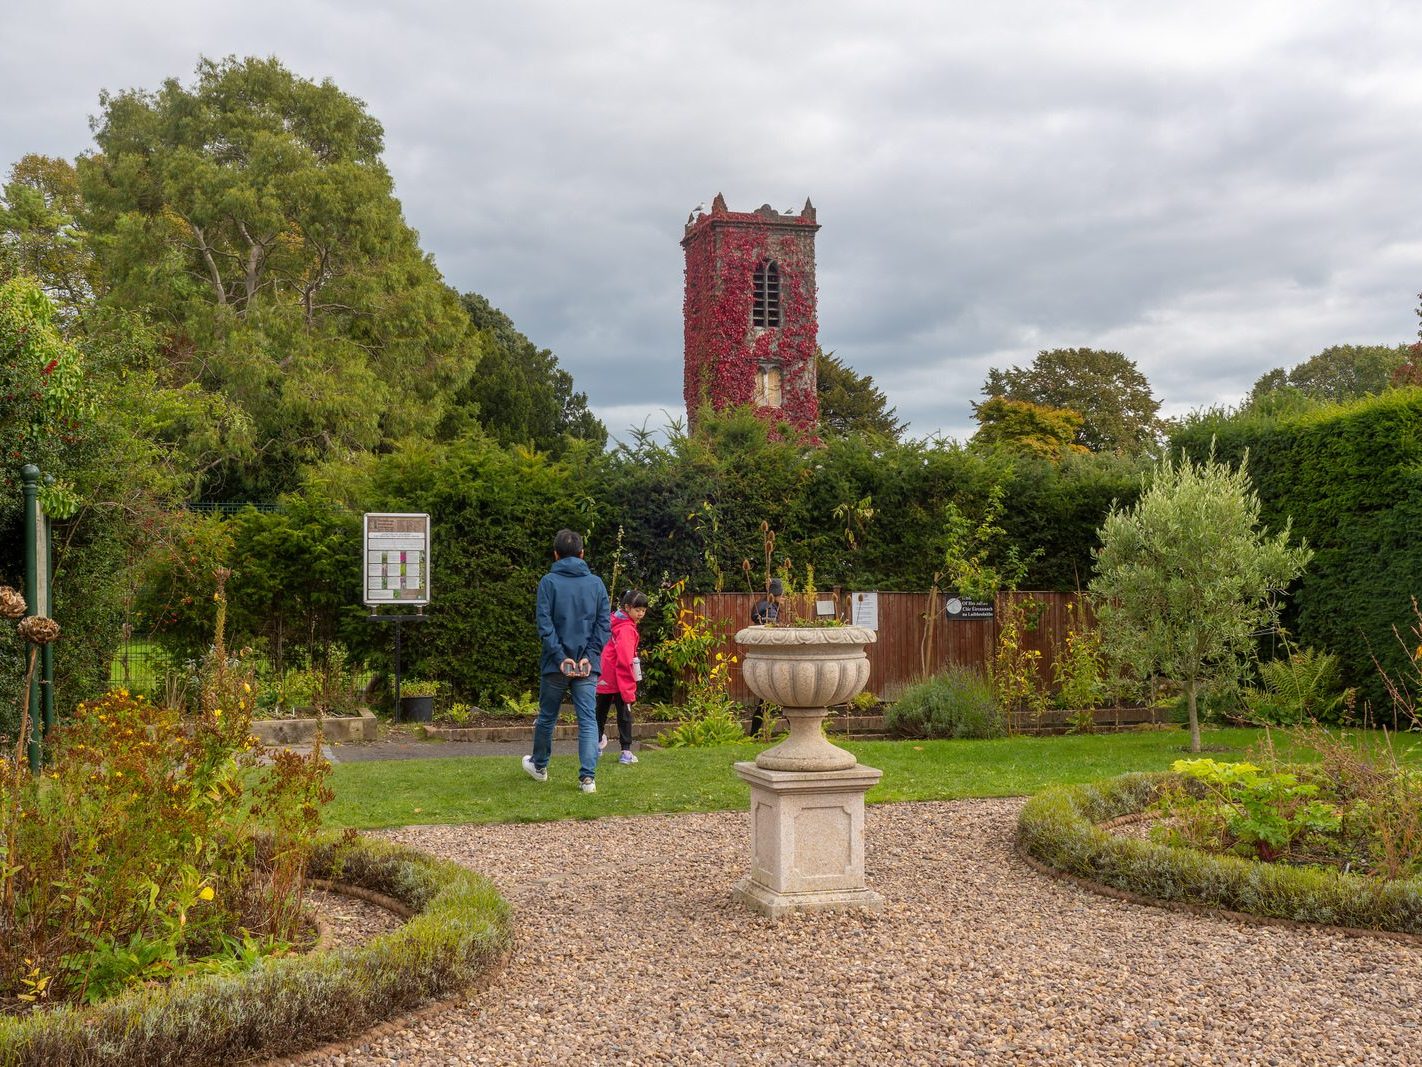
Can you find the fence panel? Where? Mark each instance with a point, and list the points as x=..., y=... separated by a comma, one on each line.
x=908, y=648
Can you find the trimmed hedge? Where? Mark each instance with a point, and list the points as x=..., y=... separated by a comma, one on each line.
x=1059, y=828
x=1350, y=478
x=461, y=930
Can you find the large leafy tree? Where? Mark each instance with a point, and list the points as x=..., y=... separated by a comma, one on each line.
x=1113, y=398
x=1036, y=428
x=1186, y=579
x=851, y=403
x=1338, y=373
x=518, y=394
x=250, y=216
x=40, y=235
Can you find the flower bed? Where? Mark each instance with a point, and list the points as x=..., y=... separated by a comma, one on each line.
x=460, y=930
x=1060, y=828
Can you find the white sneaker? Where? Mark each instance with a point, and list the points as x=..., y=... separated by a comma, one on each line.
x=532, y=771
x=628, y=756
x=587, y=785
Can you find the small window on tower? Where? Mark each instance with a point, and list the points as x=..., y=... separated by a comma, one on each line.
x=767, y=386
x=765, y=309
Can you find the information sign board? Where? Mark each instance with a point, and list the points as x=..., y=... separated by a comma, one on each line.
x=865, y=610
x=397, y=558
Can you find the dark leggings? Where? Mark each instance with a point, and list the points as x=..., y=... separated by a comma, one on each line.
x=624, y=718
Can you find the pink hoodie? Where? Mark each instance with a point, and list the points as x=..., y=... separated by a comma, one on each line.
x=617, y=659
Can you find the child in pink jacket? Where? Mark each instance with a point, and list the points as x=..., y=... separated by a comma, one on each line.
x=621, y=671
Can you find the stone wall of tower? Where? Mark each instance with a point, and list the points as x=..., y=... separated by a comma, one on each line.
x=725, y=352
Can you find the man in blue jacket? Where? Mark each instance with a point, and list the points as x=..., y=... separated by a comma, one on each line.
x=573, y=623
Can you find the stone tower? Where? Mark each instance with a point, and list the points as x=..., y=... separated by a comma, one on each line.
x=749, y=312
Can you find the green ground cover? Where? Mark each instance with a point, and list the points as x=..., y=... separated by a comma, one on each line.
x=490, y=789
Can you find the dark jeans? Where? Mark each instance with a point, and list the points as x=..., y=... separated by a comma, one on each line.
x=624, y=718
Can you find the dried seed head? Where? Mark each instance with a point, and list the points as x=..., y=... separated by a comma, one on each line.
x=12, y=604
x=39, y=630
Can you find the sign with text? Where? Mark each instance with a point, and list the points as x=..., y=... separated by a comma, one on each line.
x=962, y=609
x=397, y=559
x=865, y=610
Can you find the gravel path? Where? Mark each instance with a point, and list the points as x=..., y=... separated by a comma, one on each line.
x=630, y=951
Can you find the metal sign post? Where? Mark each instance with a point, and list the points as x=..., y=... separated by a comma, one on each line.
x=37, y=603
x=396, y=556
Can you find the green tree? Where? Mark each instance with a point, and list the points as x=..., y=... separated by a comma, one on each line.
x=1114, y=399
x=1186, y=579
x=1019, y=424
x=1337, y=374
x=851, y=403
x=251, y=219
x=40, y=234
x=518, y=393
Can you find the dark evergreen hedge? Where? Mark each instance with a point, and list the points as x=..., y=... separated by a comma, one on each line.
x=1350, y=477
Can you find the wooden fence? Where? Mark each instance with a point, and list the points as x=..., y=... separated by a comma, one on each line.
x=908, y=648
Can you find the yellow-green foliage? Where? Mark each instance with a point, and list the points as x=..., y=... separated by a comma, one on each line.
x=462, y=928
x=1060, y=828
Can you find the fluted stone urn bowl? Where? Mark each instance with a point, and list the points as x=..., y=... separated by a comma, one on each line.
x=805, y=669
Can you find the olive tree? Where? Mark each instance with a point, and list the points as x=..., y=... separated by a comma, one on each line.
x=1186, y=579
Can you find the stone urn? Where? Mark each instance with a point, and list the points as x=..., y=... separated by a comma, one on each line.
x=805, y=669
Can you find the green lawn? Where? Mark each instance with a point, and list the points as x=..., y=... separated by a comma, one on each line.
x=485, y=789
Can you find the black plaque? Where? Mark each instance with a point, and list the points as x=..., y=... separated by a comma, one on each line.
x=961, y=609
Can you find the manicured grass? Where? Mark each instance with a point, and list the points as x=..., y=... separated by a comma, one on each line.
x=474, y=789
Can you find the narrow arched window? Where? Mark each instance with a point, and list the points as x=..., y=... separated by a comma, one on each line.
x=768, y=380
x=765, y=309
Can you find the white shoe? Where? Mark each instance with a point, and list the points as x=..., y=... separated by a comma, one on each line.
x=532, y=771
x=628, y=756
x=587, y=785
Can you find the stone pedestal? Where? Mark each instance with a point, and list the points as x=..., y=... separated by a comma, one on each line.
x=807, y=840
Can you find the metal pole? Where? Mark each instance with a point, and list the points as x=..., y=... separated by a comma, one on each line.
x=47, y=654
x=29, y=479
x=396, y=716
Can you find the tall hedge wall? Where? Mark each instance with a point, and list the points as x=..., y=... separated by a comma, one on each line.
x=1351, y=478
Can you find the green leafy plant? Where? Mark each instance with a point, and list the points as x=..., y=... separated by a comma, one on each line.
x=716, y=726
x=1244, y=809
x=458, y=713
x=522, y=706
x=1304, y=686
x=862, y=702
x=418, y=687
x=957, y=703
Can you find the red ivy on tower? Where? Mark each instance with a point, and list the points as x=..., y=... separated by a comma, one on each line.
x=749, y=313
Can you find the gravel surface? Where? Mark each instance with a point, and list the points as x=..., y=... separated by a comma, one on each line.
x=348, y=920
x=631, y=951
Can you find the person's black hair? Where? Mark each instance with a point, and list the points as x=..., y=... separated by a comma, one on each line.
x=634, y=598
x=567, y=543
x=776, y=589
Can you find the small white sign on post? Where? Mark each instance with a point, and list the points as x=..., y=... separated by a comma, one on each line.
x=865, y=610
x=397, y=558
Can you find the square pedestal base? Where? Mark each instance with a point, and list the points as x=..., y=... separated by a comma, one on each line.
x=807, y=840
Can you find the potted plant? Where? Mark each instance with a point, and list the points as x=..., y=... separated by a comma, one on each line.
x=417, y=700
x=805, y=669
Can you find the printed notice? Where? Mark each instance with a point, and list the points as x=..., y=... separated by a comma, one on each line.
x=397, y=559
x=865, y=610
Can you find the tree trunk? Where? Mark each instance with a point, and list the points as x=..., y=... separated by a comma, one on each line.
x=1190, y=699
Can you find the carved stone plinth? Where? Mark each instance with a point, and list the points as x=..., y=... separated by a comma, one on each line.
x=807, y=840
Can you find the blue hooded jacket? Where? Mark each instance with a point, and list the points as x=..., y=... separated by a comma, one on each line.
x=573, y=615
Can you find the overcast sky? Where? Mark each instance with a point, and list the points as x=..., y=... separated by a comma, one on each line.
x=1214, y=190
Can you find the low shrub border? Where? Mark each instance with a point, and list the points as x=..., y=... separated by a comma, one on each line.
x=1059, y=828
x=460, y=929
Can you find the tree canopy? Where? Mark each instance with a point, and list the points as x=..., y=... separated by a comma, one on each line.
x=1185, y=578
x=518, y=393
x=1113, y=398
x=851, y=403
x=1339, y=373
x=1036, y=428
x=251, y=217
